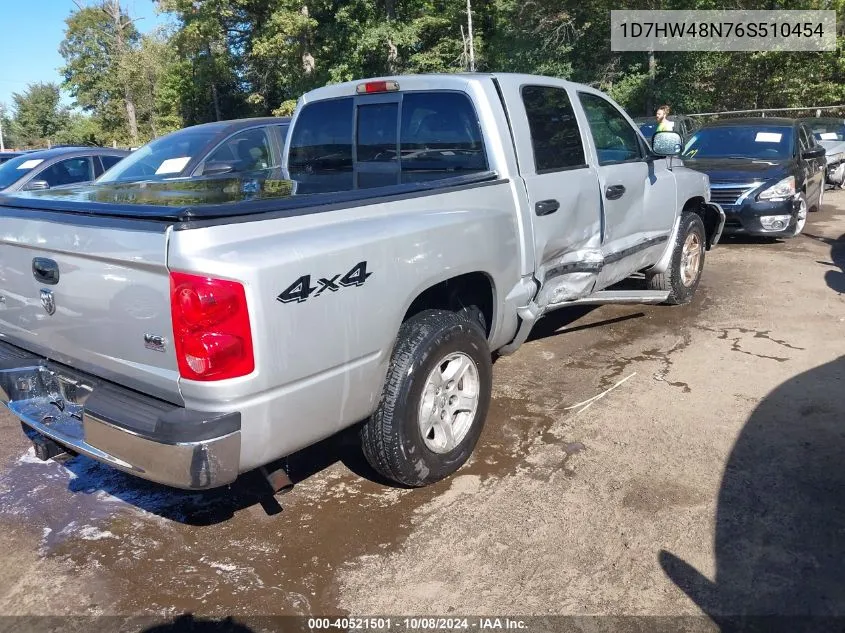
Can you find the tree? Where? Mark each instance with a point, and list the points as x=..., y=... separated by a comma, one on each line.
x=7, y=133
x=39, y=114
x=98, y=45
x=81, y=129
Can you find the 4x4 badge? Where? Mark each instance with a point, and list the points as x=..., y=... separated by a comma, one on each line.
x=48, y=301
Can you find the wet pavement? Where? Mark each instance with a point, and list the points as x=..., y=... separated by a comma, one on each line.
x=565, y=507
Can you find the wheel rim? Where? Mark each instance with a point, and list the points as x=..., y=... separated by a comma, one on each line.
x=690, y=259
x=449, y=402
x=801, y=219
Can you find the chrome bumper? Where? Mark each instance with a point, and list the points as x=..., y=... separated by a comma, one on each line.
x=97, y=419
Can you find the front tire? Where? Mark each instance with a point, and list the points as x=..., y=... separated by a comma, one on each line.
x=800, y=215
x=682, y=277
x=435, y=400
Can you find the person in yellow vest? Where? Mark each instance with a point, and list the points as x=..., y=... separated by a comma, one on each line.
x=663, y=122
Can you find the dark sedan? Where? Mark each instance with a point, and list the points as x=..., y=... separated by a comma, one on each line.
x=223, y=147
x=48, y=168
x=766, y=173
x=4, y=156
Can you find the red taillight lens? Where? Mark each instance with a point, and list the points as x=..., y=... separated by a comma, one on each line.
x=213, y=340
x=377, y=86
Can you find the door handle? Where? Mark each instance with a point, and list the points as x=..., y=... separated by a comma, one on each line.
x=614, y=192
x=545, y=207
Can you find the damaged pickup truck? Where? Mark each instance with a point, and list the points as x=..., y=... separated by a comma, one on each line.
x=193, y=330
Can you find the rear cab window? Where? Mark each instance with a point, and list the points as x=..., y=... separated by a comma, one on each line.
x=385, y=139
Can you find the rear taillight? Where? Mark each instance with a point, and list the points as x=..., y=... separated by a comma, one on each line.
x=211, y=329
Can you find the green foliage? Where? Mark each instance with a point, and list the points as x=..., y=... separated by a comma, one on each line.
x=81, y=129
x=229, y=59
x=39, y=115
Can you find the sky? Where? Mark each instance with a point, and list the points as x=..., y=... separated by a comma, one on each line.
x=30, y=34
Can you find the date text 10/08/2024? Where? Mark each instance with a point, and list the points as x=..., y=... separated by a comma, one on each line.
x=418, y=624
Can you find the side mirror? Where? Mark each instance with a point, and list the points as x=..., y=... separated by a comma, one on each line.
x=36, y=185
x=217, y=167
x=814, y=152
x=667, y=144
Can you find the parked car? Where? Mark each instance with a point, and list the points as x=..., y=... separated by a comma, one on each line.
x=223, y=147
x=684, y=125
x=4, y=156
x=49, y=168
x=442, y=216
x=830, y=134
x=767, y=173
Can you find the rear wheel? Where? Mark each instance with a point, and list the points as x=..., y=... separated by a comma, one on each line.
x=682, y=277
x=434, y=402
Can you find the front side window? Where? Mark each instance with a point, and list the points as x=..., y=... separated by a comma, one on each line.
x=616, y=141
x=248, y=150
x=67, y=172
x=803, y=141
x=555, y=136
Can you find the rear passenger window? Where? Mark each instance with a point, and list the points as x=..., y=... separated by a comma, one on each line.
x=438, y=136
x=555, y=136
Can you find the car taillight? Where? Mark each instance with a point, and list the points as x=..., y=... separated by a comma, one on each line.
x=213, y=340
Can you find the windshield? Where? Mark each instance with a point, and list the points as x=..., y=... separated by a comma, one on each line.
x=828, y=130
x=740, y=141
x=162, y=158
x=13, y=170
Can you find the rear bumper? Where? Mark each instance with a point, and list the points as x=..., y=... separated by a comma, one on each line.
x=132, y=432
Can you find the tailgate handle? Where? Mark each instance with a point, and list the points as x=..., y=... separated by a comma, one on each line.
x=45, y=270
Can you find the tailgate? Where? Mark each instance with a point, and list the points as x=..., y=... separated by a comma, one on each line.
x=92, y=293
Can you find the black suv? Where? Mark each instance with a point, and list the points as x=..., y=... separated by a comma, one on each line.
x=766, y=173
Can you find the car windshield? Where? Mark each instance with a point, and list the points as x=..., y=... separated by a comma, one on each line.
x=741, y=141
x=162, y=158
x=828, y=130
x=13, y=170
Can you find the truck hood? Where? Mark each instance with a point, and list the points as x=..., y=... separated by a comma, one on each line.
x=739, y=169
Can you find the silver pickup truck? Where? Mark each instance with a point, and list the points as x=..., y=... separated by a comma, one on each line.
x=190, y=331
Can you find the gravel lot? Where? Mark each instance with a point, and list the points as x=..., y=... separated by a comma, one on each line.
x=709, y=481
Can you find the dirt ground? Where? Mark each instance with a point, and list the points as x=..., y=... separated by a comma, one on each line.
x=708, y=482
